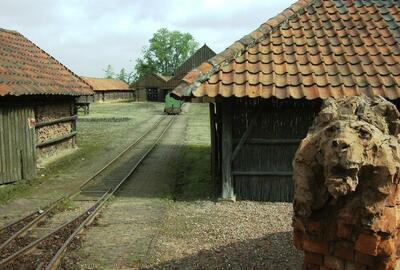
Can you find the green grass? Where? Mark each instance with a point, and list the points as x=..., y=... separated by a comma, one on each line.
x=193, y=169
x=97, y=141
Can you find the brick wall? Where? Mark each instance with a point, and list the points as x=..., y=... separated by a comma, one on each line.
x=347, y=192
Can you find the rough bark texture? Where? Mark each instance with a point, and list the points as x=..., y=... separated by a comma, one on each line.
x=47, y=113
x=346, y=177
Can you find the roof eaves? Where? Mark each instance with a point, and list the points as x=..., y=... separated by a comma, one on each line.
x=200, y=74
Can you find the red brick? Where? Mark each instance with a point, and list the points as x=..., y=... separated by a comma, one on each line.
x=316, y=247
x=333, y=263
x=313, y=227
x=364, y=258
x=313, y=258
x=344, y=231
x=298, y=225
x=360, y=266
x=367, y=244
x=344, y=250
x=387, y=248
x=309, y=266
x=387, y=223
x=387, y=264
x=298, y=240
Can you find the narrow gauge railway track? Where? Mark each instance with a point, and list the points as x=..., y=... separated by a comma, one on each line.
x=40, y=242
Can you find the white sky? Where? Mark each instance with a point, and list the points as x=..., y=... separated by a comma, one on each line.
x=87, y=35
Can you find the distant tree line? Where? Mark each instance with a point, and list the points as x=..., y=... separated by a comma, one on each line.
x=166, y=51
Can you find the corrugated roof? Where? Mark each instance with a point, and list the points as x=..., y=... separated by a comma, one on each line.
x=101, y=84
x=25, y=69
x=313, y=49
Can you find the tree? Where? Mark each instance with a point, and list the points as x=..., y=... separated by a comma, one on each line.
x=109, y=72
x=123, y=76
x=166, y=51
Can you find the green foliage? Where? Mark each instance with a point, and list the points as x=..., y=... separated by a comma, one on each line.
x=123, y=76
x=166, y=51
x=109, y=72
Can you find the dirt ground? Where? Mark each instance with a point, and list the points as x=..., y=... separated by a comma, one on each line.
x=102, y=134
x=167, y=217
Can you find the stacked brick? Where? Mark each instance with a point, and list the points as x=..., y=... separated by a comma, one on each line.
x=348, y=216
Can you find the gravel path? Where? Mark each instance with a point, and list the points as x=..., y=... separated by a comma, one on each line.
x=223, y=235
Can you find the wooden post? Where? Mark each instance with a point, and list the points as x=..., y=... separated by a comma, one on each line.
x=213, y=144
x=227, y=179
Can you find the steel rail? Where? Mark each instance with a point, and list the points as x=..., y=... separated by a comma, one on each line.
x=54, y=204
x=35, y=243
x=57, y=258
x=93, y=210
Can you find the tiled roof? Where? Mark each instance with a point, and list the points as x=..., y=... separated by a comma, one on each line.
x=315, y=48
x=102, y=84
x=25, y=69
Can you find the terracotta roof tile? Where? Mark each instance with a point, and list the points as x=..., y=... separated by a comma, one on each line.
x=25, y=69
x=102, y=84
x=315, y=48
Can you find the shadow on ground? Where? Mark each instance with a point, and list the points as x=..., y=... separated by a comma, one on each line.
x=262, y=253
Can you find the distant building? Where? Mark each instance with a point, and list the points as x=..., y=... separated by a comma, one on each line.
x=109, y=89
x=37, y=106
x=154, y=87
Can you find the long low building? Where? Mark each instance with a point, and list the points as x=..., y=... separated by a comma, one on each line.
x=109, y=89
x=37, y=106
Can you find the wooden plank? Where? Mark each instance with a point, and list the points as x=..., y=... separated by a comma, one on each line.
x=246, y=135
x=60, y=138
x=213, y=144
x=57, y=121
x=261, y=173
x=227, y=178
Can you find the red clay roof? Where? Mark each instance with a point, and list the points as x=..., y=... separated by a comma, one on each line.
x=25, y=69
x=313, y=49
x=101, y=84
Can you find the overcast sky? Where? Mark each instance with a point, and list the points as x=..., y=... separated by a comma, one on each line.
x=87, y=35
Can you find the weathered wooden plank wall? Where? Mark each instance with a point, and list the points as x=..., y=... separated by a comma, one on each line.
x=261, y=168
x=17, y=144
x=114, y=95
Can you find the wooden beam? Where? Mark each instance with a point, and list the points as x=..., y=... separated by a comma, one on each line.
x=213, y=144
x=245, y=136
x=260, y=173
x=56, y=121
x=269, y=141
x=58, y=139
x=227, y=178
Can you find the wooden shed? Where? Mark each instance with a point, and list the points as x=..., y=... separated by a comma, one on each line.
x=109, y=89
x=37, y=106
x=152, y=87
x=268, y=86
